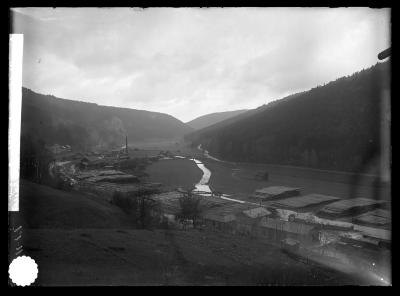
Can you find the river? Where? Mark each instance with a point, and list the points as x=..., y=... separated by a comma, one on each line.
x=202, y=187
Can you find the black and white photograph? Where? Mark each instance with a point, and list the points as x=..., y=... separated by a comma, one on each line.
x=218, y=146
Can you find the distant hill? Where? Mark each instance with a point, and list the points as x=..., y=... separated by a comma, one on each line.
x=242, y=115
x=213, y=118
x=82, y=125
x=335, y=126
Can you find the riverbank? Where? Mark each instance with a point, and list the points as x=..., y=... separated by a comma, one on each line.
x=50, y=208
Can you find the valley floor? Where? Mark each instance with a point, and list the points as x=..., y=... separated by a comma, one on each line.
x=239, y=180
x=79, y=240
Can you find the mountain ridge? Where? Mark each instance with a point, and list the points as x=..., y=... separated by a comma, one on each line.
x=84, y=124
x=334, y=126
x=213, y=118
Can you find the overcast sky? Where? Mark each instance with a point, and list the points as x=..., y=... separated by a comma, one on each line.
x=190, y=62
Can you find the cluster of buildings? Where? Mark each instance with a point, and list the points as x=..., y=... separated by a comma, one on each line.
x=321, y=223
x=99, y=173
x=241, y=219
x=104, y=183
x=288, y=207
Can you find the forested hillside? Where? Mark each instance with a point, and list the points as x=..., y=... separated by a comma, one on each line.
x=213, y=118
x=83, y=125
x=335, y=126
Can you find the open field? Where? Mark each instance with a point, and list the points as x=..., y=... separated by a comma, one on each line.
x=239, y=179
x=174, y=173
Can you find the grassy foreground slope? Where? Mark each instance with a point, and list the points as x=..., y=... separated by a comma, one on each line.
x=166, y=257
x=46, y=207
x=76, y=240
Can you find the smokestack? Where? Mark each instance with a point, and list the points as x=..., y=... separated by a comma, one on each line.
x=126, y=145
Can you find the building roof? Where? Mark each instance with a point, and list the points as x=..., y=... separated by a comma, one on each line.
x=113, y=187
x=358, y=238
x=275, y=190
x=114, y=178
x=292, y=227
x=377, y=217
x=365, y=231
x=304, y=201
x=347, y=204
x=225, y=213
x=371, y=219
x=382, y=234
x=170, y=202
x=207, y=202
x=380, y=213
x=256, y=212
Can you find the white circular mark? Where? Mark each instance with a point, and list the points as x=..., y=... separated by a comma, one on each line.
x=23, y=271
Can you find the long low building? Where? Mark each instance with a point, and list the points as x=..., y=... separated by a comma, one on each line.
x=247, y=221
x=106, y=190
x=224, y=217
x=349, y=207
x=379, y=217
x=369, y=236
x=383, y=235
x=274, y=192
x=170, y=202
x=304, y=202
x=275, y=230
